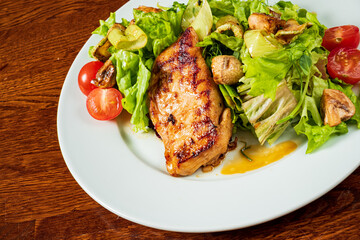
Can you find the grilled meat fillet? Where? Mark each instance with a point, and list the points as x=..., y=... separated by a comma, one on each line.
x=186, y=108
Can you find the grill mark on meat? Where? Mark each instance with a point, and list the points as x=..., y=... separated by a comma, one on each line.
x=210, y=135
x=199, y=111
x=206, y=124
x=184, y=40
x=183, y=60
x=186, y=59
x=166, y=75
x=159, y=64
x=186, y=152
x=205, y=93
x=151, y=126
x=169, y=80
x=171, y=119
x=204, y=147
x=164, y=89
x=195, y=70
x=207, y=106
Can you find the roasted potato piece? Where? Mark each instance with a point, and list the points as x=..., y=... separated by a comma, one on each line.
x=100, y=51
x=106, y=76
x=274, y=13
x=336, y=107
x=226, y=69
x=290, y=30
x=261, y=21
x=285, y=31
x=321, y=65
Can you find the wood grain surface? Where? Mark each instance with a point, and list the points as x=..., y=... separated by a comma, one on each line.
x=39, y=199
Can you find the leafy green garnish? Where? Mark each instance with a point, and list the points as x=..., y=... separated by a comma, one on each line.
x=133, y=77
x=242, y=151
x=105, y=25
x=230, y=42
x=162, y=28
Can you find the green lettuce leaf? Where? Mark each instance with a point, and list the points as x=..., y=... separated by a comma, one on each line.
x=105, y=25
x=289, y=10
x=220, y=8
x=243, y=9
x=232, y=101
x=296, y=63
x=215, y=49
x=318, y=135
x=274, y=67
x=232, y=98
x=347, y=89
x=133, y=77
x=312, y=127
x=230, y=42
x=318, y=86
x=239, y=9
x=139, y=118
x=162, y=28
x=311, y=124
x=264, y=113
x=308, y=40
x=242, y=12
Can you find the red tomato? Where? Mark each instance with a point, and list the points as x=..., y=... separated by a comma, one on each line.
x=342, y=36
x=344, y=63
x=104, y=103
x=86, y=74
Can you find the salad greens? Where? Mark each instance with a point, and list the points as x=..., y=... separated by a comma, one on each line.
x=133, y=68
x=198, y=15
x=284, y=72
x=269, y=106
x=162, y=28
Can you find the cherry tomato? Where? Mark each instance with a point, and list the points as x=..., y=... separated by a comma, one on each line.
x=342, y=36
x=344, y=63
x=104, y=103
x=86, y=74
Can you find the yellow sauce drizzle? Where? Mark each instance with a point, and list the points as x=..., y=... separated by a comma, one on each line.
x=260, y=155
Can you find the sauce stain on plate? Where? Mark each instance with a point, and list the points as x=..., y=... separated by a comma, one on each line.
x=260, y=156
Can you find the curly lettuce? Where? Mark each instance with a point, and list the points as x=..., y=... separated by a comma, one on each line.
x=267, y=67
x=105, y=25
x=133, y=76
x=162, y=28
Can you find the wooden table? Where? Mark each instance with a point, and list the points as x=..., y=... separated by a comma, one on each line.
x=39, y=199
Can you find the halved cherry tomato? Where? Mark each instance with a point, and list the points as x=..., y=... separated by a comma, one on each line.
x=104, y=103
x=86, y=74
x=344, y=63
x=342, y=36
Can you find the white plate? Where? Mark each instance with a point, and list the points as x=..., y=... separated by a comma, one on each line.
x=125, y=172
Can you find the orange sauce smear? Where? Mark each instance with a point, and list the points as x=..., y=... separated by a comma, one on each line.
x=260, y=155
